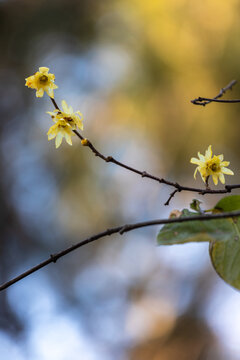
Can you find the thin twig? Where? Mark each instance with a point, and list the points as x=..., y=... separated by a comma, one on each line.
x=199, y=101
x=55, y=104
x=207, y=182
x=121, y=230
x=171, y=196
x=205, y=101
x=145, y=174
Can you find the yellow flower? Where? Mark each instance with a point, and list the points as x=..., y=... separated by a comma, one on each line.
x=74, y=119
x=60, y=130
x=211, y=166
x=42, y=81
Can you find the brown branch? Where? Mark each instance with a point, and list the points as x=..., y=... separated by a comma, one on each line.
x=171, y=196
x=205, y=101
x=55, y=104
x=199, y=101
x=145, y=174
x=121, y=230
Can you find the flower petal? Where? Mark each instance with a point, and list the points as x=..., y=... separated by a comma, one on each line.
x=215, y=179
x=50, y=93
x=39, y=93
x=80, y=114
x=203, y=177
x=195, y=173
x=58, y=140
x=44, y=70
x=208, y=153
x=225, y=163
x=68, y=139
x=227, y=171
x=65, y=107
x=196, y=161
x=222, y=178
x=201, y=157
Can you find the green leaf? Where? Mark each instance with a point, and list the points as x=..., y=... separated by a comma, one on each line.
x=225, y=257
x=222, y=234
x=195, y=231
x=195, y=205
x=228, y=203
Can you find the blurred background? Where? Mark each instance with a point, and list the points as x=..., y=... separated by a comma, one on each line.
x=131, y=67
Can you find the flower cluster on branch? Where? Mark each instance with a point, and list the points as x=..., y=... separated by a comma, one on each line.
x=68, y=122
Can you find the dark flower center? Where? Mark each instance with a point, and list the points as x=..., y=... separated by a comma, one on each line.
x=214, y=167
x=43, y=79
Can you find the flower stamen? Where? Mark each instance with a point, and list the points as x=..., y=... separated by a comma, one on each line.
x=43, y=79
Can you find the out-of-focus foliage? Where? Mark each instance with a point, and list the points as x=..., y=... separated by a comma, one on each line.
x=132, y=68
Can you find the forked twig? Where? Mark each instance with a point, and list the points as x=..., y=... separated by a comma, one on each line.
x=205, y=101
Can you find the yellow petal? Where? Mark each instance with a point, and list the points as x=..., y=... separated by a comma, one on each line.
x=80, y=114
x=29, y=81
x=222, y=178
x=51, y=113
x=215, y=179
x=203, y=177
x=196, y=161
x=58, y=140
x=195, y=173
x=43, y=69
x=68, y=139
x=49, y=91
x=39, y=93
x=225, y=163
x=64, y=106
x=51, y=135
x=201, y=157
x=52, y=132
x=227, y=171
x=208, y=153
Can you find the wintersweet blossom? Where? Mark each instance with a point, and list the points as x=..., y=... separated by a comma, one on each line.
x=66, y=121
x=60, y=130
x=209, y=165
x=74, y=119
x=42, y=81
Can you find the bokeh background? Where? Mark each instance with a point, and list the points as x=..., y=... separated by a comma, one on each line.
x=131, y=67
